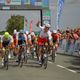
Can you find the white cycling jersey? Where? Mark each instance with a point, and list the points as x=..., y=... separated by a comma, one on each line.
x=44, y=34
x=29, y=37
x=10, y=39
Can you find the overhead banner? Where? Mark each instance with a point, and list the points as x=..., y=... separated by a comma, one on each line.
x=2, y=1
x=45, y=3
x=32, y=2
x=24, y=2
x=38, y=3
x=12, y=2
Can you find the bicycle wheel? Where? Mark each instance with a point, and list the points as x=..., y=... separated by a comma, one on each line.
x=45, y=60
x=25, y=58
x=6, y=61
x=53, y=56
x=37, y=53
x=32, y=53
x=45, y=57
x=79, y=53
x=42, y=61
x=19, y=59
x=22, y=59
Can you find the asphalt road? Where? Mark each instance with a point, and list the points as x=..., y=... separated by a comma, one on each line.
x=65, y=68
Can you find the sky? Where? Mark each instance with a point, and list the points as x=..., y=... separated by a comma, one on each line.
x=70, y=15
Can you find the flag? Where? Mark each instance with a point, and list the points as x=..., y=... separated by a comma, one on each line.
x=59, y=12
x=25, y=23
x=31, y=25
x=11, y=13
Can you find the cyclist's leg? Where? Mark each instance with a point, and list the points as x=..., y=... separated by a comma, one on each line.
x=4, y=44
x=2, y=62
x=20, y=49
x=40, y=53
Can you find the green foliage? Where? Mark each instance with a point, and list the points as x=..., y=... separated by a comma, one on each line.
x=2, y=32
x=15, y=22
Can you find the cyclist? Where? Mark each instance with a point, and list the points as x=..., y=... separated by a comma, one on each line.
x=55, y=38
x=29, y=38
x=22, y=40
x=15, y=37
x=31, y=41
x=28, y=41
x=7, y=40
x=33, y=37
x=44, y=37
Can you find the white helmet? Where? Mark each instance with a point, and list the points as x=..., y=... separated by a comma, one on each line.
x=54, y=31
x=32, y=33
x=27, y=32
x=47, y=25
x=15, y=31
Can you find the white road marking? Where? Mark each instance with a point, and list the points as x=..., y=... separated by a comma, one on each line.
x=61, y=67
x=50, y=62
x=67, y=69
x=35, y=57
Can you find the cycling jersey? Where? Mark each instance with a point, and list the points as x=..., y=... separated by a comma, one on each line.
x=15, y=38
x=22, y=39
x=29, y=37
x=6, y=42
x=55, y=38
x=44, y=36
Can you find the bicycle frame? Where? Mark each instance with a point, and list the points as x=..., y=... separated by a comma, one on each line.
x=6, y=58
x=22, y=56
x=44, y=56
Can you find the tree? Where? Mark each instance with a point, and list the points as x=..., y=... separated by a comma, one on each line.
x=15, y=22
x=2, y=32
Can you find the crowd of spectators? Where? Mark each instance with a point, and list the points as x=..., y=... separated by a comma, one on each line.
x=70, y=40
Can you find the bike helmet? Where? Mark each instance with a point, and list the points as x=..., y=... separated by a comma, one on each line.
x=15, y=31
x=21, y=31
x=47, y=25
x=6, y=35
x=54, y=31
